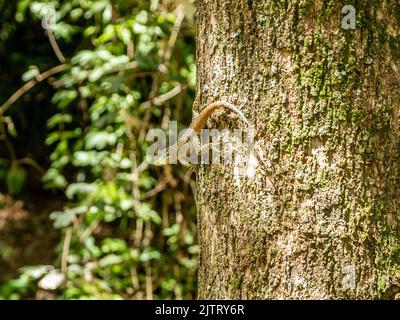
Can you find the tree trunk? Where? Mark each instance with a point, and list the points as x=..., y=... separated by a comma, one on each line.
x=323, y=222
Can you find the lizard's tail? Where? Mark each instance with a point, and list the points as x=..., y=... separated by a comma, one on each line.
x=201, y=119
x=231, y=107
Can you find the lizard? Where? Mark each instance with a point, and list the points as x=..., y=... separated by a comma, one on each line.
x=197, y=126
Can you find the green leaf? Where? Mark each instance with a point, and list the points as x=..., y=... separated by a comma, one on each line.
x=54, y=179
x=80, y=188
x=107, y=14
x=96, y=74
x=150, y=254
x=83, y=57
x=109, y=260
x=64, y=97
x=114, y=245
x=33, y=72
x=15, y=180
x=62, y=219
x=125, y=35
x=85, y=158
x=172, y=231
x=100, y=139
x=146, y=213
x=58, y=119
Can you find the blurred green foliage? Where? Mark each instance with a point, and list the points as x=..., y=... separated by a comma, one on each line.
x=128, y=228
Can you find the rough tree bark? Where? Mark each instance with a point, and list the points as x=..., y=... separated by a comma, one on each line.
x=325, y=101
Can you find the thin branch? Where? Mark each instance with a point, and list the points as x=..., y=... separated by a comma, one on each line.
x=157, y=189
x=89, y=230
x=134, y=279
x=9, y=146
x=158, y=101
x=29, y=85
x=138, y=170
x=174, y=34
x=54, y=45
x=125, y=67
x=32, y=163
x=136, y=198
x=64, y=260
x=149, y=283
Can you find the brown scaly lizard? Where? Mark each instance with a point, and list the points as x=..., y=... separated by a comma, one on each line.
x=197, y=125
